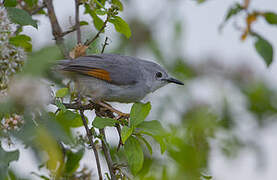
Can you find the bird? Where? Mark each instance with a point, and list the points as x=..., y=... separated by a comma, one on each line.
x=115, y=78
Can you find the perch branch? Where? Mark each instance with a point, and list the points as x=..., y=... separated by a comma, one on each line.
x=56, y=28
x=90, y=137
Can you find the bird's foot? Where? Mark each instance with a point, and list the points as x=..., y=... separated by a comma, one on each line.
x=119, y=113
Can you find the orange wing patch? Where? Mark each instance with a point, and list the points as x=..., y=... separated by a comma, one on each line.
x=100, y=74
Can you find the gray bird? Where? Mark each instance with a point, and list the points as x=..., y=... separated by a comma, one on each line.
x=112, y=77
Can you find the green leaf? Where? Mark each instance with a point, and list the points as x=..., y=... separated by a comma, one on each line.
x=31, y=3
x=22, y=41
x=126, y=132
x=21, y=17
x=100, y=123
x=153, y=127
x=62, y=92
x=157, y=138
x=121, y=26
x=6, y=157
x=40, y=61
x=134, y=154
x=155, y=130
x=271, y=17
x=100, y=12
x=10, y=3
x=139, y=112
x=83, y=23
x=118, y=3
x=234, y=10
x=60, y=105
x=265, y=49
x=146, y=143
x=69, y=119
x=72, y=162
x=98, y=22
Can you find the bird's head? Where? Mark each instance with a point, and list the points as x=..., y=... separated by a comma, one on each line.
x=157, y=76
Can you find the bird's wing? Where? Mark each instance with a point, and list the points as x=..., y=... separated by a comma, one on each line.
x=116, y=69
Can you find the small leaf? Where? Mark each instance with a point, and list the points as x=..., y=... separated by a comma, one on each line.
x=98, y=22
x=134, y=154
x=139, y=112
x=69, y=119
x=158, y=138
x=154, y=127
x=100, y=12
x=100, y=123
x=155, y=130
x=10, y=3
x=22, y=41
x=271, y=17
x=121, y=26
x=234, y=10
x=62, y=92
x=21, y=17
x=265, y=49
x=72, y=162
x=146, y=143
x=83, y=23
x=60, y=105
x=118, y=3
x=126, y=132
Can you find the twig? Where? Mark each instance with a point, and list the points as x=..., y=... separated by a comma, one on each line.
x=120, y=138
x=69, y=31
x=104, y=45
x=107, y=154
x=90, y=137
x=77, y=22
x=38, y=9
x=56, y=29
x=88, y=42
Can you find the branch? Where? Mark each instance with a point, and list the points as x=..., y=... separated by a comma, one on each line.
x=107, y=154
x=77, y=22
x=88, y=42
x=90, y=137
x=104, y=45
x=56, y=29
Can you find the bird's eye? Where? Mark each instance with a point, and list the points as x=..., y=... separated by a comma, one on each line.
x=159, y=74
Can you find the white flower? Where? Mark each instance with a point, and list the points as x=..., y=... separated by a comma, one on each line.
x=29, y=91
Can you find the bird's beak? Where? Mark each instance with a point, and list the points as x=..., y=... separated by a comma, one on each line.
x=173, y=80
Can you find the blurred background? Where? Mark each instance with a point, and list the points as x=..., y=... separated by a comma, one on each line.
x=223, y=120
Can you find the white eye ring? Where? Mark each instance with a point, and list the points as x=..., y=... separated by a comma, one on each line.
x=159, y=75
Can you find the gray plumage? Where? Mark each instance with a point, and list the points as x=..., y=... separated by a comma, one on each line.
x=130, y=79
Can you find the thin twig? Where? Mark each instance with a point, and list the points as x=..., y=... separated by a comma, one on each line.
x=56, y=28
x=107, y=154
x=104, y=45
x=90, y=137
x=77, y=22
x=69, y=31
x=120, y=138
x=38, y=9
x=88, y=42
